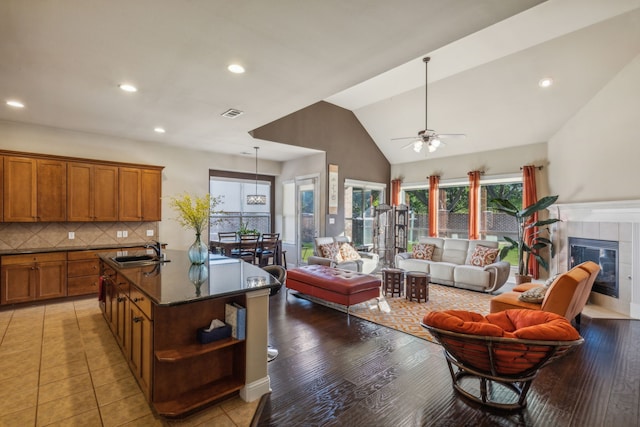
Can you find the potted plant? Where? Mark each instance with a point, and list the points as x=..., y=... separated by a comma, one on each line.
x=524, y=219
x=194, y=212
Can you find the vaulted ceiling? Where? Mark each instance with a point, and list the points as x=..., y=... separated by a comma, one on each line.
x=65, y=60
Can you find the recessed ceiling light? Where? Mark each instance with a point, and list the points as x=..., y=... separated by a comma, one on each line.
x=15, y=104
x=236, y=68
x=128, y=88
x=546, y=82
x=159, y=130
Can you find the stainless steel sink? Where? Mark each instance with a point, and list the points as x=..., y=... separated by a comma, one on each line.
x=136, y=260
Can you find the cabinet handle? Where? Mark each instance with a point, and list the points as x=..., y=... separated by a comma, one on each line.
x=120, y=299
x=137, y=299
x=137, y=319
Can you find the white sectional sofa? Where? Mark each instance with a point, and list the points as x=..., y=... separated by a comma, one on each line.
x=450, y=264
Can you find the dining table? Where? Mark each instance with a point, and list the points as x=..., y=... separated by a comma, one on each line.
x=225, y=246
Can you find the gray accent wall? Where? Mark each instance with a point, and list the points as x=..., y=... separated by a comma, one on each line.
x=336, y=131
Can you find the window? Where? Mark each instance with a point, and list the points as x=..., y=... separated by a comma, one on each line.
x=454, y=211
x=454, y=208
x=289, y=213
x=359, y=200
x=237, y=214
x=418, y=202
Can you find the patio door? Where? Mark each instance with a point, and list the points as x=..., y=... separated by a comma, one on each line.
x=307, y=217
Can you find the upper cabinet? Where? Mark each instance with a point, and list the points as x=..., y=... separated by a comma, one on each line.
x=92, y=192
x=140, y=191
x=34, y=189
x=38, y=187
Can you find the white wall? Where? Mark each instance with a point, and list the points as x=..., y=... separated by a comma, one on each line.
x=594, y=157
x=497, y=162
x=185, y=170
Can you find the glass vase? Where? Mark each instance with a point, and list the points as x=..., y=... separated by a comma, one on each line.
x=198, y=252
x=198, y=274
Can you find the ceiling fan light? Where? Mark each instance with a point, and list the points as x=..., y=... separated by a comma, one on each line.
x=417, y=146
x=435, y=142
x=431, y=148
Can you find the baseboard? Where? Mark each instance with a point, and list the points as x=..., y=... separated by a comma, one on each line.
x=256, y=389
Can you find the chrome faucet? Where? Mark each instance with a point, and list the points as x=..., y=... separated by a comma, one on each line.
x=156, y=246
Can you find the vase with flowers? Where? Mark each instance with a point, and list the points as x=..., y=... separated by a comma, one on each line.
x=194, y=213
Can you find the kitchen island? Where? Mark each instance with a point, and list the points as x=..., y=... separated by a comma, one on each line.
x=154, y=310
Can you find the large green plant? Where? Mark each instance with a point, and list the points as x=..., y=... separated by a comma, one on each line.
x=524, y=219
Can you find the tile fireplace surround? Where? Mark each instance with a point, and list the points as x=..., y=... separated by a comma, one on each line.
x=617, y=221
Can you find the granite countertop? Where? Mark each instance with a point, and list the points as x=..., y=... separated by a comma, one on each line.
x=177, y=281
x=70, y=249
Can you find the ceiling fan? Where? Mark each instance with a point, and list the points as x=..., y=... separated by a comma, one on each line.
x=427, y=137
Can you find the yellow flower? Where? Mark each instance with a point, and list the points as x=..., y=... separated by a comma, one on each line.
x=193, y=211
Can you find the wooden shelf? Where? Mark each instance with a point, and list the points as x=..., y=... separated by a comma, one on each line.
x=194, y=350
x=201, y=396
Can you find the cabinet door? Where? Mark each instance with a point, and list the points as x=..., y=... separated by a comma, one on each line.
x=52, y=279
x=130, y=194
x=105, y=193
x=18, y=283
x=20, y=189
x=123, y=324
x=52, y=190
x=79, y=200
x=141, y=348
x=151, y=193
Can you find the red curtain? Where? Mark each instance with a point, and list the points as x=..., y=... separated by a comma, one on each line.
x=434, y=183
x=529, y=197
x=395, y=191
x=474, y=199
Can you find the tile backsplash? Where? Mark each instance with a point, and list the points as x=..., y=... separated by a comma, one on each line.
x=55, y=235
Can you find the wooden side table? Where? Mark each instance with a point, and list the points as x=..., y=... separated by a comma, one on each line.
x=392, y=281
x=417, y=286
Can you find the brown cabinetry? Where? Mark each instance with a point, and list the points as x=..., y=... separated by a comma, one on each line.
x=83, y=272
x=34, y=189
x=33, y=277
x=139, y=195
x=140, y=356
x=92, y=193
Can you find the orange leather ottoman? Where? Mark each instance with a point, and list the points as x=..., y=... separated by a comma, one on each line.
x=333, y=284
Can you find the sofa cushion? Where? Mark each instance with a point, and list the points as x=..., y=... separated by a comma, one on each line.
x=455, y=251
x=331, y=251
x=423, y=251
x=412, y=264
x=535, y=295
x=443, y=271
x=348, y=252
x=472, y=275
x=483, y=255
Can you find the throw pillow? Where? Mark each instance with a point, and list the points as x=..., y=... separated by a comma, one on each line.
x=534, y=295
x=331, y=251
x=483, y=255
x=423, y=251
x=348, y=252
x=550, y=280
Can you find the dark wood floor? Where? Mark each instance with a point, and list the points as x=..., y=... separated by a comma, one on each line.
x=338, y=371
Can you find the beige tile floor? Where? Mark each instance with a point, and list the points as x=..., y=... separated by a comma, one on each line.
x=61, y=366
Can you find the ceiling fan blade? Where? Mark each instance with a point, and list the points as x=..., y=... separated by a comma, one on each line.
x=451, y=135
x=404, y=137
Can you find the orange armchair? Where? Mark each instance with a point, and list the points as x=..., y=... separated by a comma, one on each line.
x=566, y=296
x=503, y=351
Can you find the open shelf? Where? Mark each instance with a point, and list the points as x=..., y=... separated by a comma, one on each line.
x=198, y=397
x=194, y=350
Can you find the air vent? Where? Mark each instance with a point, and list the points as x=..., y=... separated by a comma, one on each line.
x=232, y=113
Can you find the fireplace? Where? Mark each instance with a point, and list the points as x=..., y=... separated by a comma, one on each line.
x=602, y=252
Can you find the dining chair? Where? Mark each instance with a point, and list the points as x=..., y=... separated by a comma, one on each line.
x=247, y=248
x=224, y=236
x=268, y=248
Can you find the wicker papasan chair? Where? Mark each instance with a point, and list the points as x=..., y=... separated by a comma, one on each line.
x=494, y=359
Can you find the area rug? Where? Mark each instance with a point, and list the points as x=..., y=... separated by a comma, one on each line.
x=405, y=316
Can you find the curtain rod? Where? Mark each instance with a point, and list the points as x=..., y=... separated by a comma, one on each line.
x=537, y=167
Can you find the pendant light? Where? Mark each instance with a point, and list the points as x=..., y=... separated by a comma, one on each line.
x=256, y=199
